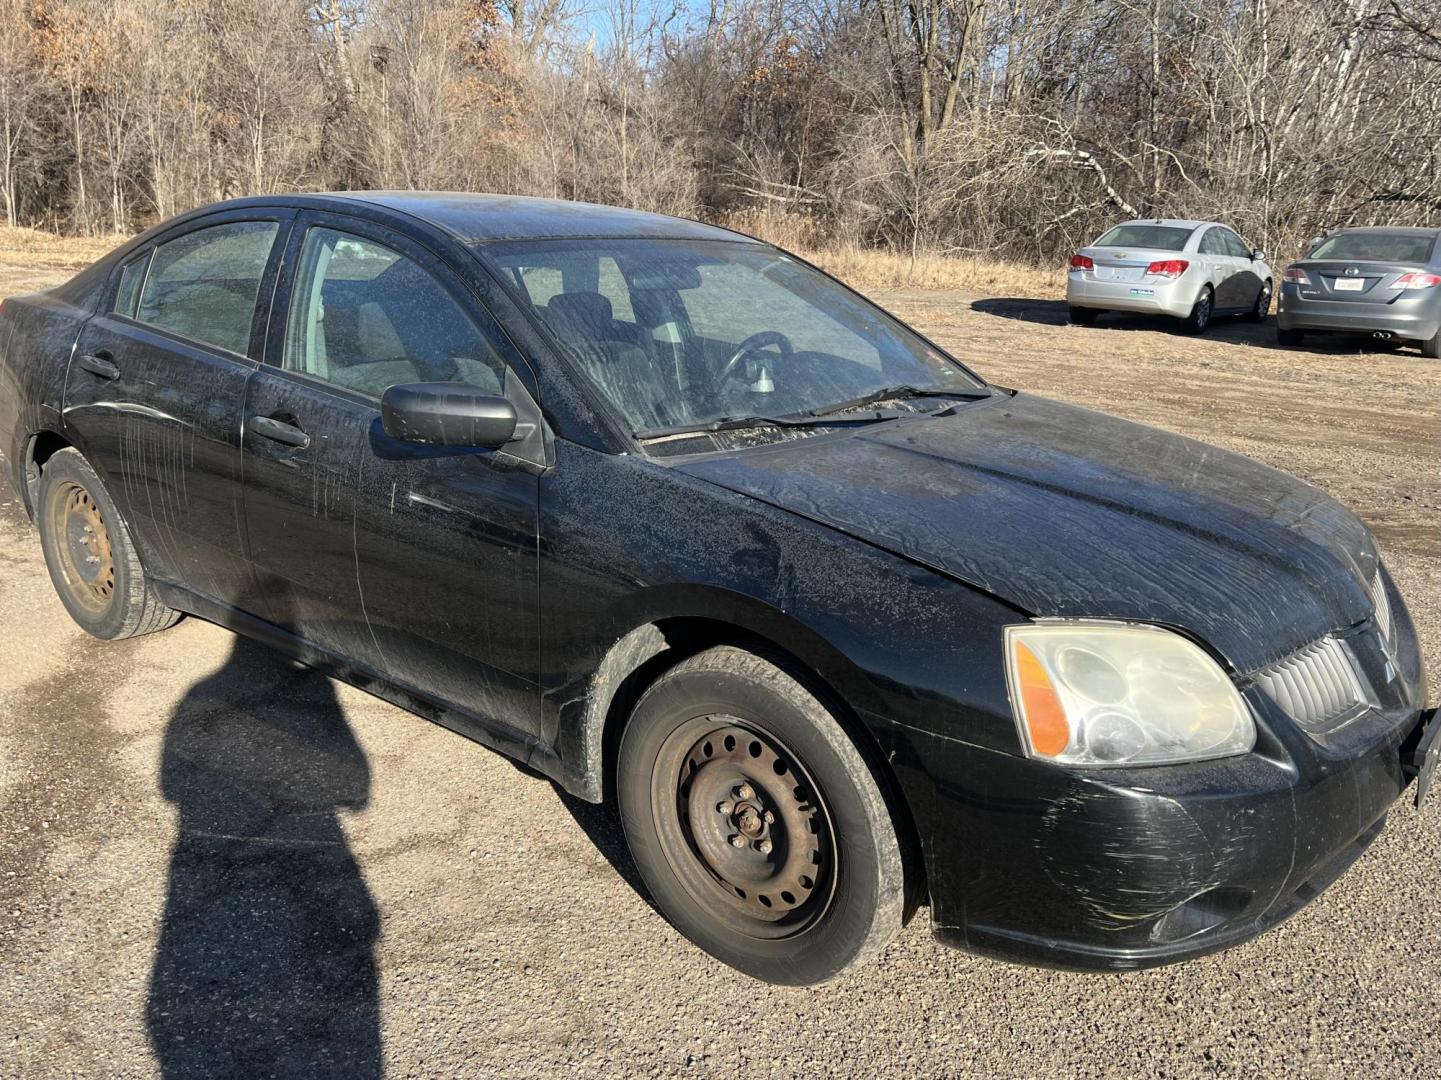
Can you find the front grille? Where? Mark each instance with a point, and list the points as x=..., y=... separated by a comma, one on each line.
x=1382, y=603
x=1320, y=686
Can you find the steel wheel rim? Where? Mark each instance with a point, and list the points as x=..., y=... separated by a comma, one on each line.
x=743, y=827
x=82, y=544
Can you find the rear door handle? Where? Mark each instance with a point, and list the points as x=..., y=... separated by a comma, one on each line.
x=267, y=427
x=99, y=364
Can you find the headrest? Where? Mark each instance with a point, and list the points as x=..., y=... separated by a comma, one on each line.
x=588, y=309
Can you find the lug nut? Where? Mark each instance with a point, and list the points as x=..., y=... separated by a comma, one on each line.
x=738, y=841
x=726, y=807
x=765, y=847
x=770, y=818
x=744, y=792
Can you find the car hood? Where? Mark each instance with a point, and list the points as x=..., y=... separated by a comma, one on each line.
x=1064, y=511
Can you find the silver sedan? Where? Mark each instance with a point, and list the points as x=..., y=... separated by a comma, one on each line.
x=1189, y=270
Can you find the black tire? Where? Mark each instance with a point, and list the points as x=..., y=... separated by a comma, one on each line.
x=1431, y=348
x=719, y=742
x=1081, y=316
x=1262, y=307
x=1290, y=338
x=92, y=560
x=1201, y=312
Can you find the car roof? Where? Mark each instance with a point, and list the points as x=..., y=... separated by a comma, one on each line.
x=1404, y=230
x=1178, y=223
x=477, y=218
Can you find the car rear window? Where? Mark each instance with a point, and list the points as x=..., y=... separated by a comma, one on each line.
x=1159, y=237
x=1376, y=247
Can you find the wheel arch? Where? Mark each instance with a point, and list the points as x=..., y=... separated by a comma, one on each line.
x=40, y=447
x=670, y=633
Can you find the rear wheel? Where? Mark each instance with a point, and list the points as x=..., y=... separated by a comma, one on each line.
x=1432, y=347
x=1200, y=317
x=1290, y=338
x=1081, y=316
x=755, y=822
x=1262, y=307
x=92, y=560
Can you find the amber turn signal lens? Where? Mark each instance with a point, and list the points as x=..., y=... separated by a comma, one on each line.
x=1045, y=716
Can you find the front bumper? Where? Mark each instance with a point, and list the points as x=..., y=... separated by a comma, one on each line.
x=1104, y=872
x=1413, y=320
x=1174, y=298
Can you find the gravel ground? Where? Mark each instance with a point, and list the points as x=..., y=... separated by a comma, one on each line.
x=306, y=881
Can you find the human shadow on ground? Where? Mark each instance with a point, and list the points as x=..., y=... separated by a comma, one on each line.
x=265, y=965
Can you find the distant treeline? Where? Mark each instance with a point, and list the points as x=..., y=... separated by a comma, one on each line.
x=1007, y=128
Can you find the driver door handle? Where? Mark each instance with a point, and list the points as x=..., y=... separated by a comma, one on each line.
x=267, y=427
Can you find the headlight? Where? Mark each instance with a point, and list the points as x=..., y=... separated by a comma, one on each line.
x=1097, y=693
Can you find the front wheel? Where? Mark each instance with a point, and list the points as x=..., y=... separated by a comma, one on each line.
x=1200, y=316
x=1262, y=307
x=91, y=558
x=755, y=822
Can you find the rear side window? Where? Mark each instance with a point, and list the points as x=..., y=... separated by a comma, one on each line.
x=1378, y=247
x=203, y=285
x=132, y=277
x=1214, y=243
x=365, y=317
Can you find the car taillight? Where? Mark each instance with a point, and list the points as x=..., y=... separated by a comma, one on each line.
x=1294, y=275
x=1168, y=267
x=1082, y=262
x=1416, y=281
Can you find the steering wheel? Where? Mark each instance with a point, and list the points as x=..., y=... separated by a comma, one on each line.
x=762, y=340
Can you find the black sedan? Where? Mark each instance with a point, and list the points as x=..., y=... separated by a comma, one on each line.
x=679, y=521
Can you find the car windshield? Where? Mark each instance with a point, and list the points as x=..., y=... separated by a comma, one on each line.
x=1376, y=247
x=1156, y=237
x=680, y=333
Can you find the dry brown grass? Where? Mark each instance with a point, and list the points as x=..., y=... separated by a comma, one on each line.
x=887, y=270
x=857, y=266
x=36, y=248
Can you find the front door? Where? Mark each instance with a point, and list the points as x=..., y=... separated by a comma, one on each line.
x=155, y=389
x=417, y=562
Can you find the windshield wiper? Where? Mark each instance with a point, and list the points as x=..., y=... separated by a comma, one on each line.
x=737, y=423
x=904, y=390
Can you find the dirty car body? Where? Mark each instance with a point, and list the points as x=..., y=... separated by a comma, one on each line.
x=525, y=594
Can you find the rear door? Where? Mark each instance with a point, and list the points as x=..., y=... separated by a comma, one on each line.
x=156, y=385
x=1245, y=283
x=420, y=563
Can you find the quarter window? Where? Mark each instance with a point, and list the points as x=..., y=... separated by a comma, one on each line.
x=365, y=317
x=203, y=285
x=132, y=277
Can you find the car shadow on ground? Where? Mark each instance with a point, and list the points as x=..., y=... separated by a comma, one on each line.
x=265, y=964
x=1234, y=329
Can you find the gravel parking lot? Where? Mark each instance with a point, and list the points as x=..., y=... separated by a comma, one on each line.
x=212, y=862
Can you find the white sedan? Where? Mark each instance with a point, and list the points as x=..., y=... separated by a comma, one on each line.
x=1189, y=270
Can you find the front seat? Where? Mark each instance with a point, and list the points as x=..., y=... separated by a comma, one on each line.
x=614, y=354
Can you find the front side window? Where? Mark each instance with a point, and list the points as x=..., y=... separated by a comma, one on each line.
x=1236, y=246
x=204, y=285
x=1154, y=237
x=678, y=332
x=366, y=317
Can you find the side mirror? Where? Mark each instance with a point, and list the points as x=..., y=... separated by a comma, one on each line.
x=1258, y=255
x=447, y=414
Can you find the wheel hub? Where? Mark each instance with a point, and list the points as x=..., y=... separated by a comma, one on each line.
x=755, y=824
x=89, y=564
